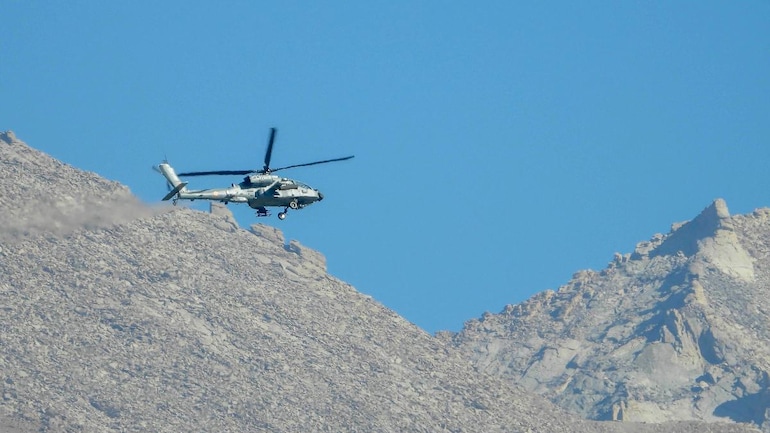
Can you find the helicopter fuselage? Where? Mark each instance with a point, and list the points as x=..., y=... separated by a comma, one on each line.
x=257, y=190
x=260, y=191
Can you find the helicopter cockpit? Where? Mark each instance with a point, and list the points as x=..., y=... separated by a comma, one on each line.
x=287, y=183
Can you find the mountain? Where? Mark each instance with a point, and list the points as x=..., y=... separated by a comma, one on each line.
x=118, y=317
x=41, y=194
x=676, y=330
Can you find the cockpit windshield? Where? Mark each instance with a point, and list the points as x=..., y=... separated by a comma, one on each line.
x=295, y=183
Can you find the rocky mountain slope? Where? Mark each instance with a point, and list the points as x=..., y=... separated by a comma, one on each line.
x=41, y=194
x=677, y=330
x=114, y=317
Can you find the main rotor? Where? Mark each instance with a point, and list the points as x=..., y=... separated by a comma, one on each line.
x=266, y=168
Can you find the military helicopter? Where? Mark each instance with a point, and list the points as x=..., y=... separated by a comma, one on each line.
x=260, y=188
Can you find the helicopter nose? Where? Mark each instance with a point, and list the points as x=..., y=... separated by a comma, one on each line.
x=320, y=196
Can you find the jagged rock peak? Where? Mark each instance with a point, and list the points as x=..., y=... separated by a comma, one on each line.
x=711, y=238
x=674, y=331
x=684, y=237
x=8, y=136
x=718, y=207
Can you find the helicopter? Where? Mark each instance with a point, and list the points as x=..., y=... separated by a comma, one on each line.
x=260, y=188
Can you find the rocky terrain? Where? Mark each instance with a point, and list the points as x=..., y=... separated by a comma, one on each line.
x=676, y=330
x=116, y=317
x=41, y=194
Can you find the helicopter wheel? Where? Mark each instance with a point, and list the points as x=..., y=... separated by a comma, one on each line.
x=281, y=216
x=294, y=204
x=174, y=202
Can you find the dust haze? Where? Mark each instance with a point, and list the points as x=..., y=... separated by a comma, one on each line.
x=63, y=199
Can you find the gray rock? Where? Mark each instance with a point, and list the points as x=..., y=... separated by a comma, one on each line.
x=271, y=235
x=43, y=195
x=675, y=331
x=178, y=321
x=228, y=222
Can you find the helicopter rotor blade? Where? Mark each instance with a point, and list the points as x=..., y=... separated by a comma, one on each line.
x=314, y=163
x=269, y=152
x=217, y=173
x=266, y=169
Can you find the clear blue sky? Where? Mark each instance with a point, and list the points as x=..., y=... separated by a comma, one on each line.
x=500, y=146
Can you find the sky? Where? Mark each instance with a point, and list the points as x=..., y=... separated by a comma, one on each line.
x=500, y=146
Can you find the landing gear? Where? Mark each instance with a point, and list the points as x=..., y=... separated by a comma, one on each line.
x=282, y=215
x=294, y=204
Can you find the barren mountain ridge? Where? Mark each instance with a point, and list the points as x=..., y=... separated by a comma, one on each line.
x=115, y=316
